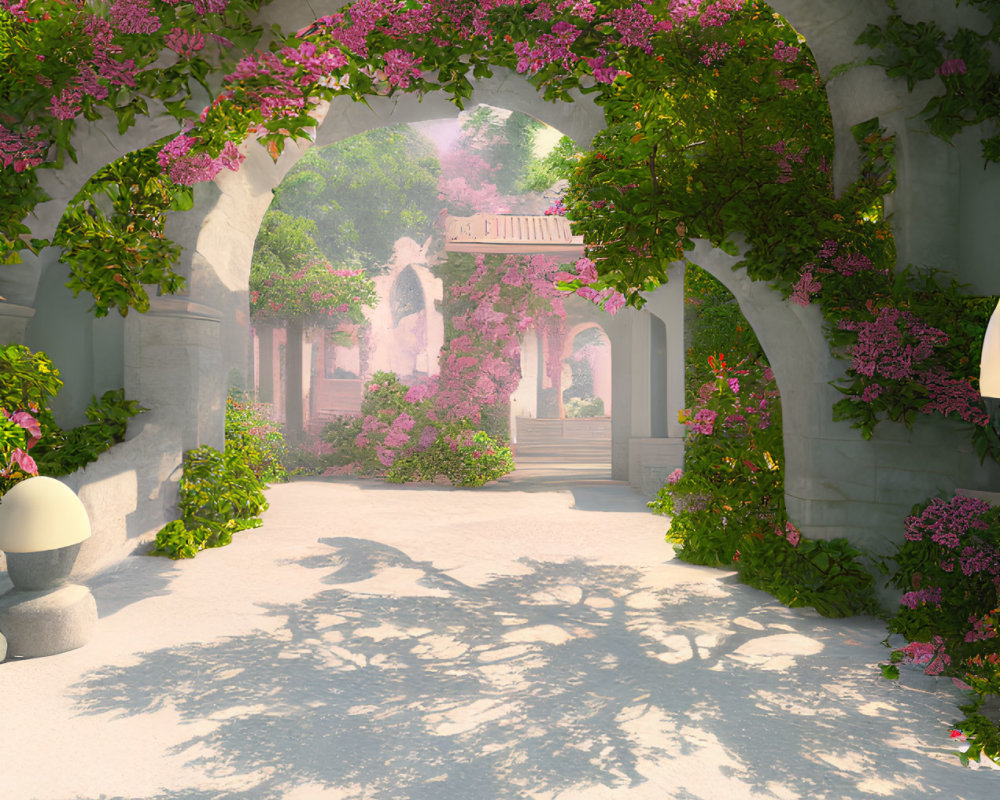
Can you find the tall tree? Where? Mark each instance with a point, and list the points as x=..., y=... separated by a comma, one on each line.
x=364, y=193
x=293, y=285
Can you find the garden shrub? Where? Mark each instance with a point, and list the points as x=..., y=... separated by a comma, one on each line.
x=222, y=493
x=28, y=382
x=727, y=504
x=250, y=429
x=580, y=407
x=399, y=436
x=949, y=571
x=465, y=457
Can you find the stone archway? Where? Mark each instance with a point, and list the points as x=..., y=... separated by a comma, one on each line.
x=175, y=359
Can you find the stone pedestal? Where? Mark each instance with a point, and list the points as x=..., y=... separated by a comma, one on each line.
x=43, y=614
x=46, y=622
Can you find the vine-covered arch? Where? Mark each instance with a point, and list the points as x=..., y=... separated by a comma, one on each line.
x=218, y=235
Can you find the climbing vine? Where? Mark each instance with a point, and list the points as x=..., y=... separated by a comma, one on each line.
x=965, y=64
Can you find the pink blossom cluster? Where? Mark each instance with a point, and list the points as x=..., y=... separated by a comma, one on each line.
x=609, y=299
x=947, y=522
x=845, y=262
x=785, y=52
x=19, y=458
x=602, y=72
x=953, y=66
x=790, y=532
x=929, y=596
x=183, y=42
x=717, y=14
x=681, y=11
x=206, y=6
x=134, y=16
x=401, y=67
x=929, y=655
x=548, y=48
x=187, y=168
x=806, y=286
x=22, y=151
x=104, y=65
x=634, y=26
x=18, y=9
x=981, y=558
x=710, y=53
x=703, y=421
x=481, y=366
x=952, y=397
x=892, y=345
x=786, y=159
x=981, y=630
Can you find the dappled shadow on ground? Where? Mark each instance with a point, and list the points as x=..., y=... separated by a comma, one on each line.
x=569, y=680
x=130, y=581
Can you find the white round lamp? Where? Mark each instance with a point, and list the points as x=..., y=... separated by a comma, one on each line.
x=989, y=369
x=39, y=514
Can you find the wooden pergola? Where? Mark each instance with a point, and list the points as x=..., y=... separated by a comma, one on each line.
x=512, y=233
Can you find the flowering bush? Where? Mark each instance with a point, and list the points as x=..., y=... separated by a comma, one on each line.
x=250, y=429
x=488, y=307
x=111, y=267
x=727, y=504
x=949, y=571
x=731, y=487
x=28, y=381
x=313, y=292
x=465, y=457
x=400, y=436
x=222, y=493
x=65, y=61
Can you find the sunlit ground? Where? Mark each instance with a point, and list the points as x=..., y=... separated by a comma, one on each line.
x=424, y=642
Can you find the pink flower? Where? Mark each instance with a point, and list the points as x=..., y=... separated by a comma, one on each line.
x=806, y=286
x=614, y=303
x=67, y=104
x=427, y=437
x=210, y=6
x=28, y=423
x=792, y=534
x=400, y=67
x=25, y=462
x=184, y=43
x=785, y=52
x=703, y=421
x=714, y=52
x=404, y=422
x=953, y=66
x=675, y=476
x=134, y=16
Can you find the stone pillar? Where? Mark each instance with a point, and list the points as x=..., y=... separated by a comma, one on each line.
x=639, y=375
x=619, y=330
x=293, y=382
x=265, y=364
x=173, y=366
x=667, y=303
